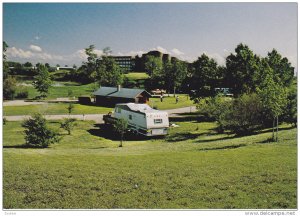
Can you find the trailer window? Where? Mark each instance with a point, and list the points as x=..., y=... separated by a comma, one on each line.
x=118, y=109
x=157, y=121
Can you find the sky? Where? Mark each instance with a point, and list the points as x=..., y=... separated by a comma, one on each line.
x=57, y=33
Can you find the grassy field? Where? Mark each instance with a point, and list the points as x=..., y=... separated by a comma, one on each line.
x=170, y=102
x=193, y=167
x=137, y=75
x=61, y=108
x=61, y=89
x=54, y=108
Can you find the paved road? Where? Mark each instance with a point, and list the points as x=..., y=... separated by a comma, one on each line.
x=98, y=118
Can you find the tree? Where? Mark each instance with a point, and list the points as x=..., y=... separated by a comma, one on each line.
x=240, y=70
x=9, y=87
x=154, y=68
x=290, y=112
x=281, y=67
x=88, y=69
x=9, y=82
x=120, y=126
x=273, y=95
x=70, y=93
x=28, y=64
x=42, y=81
x=37, y=133
x=104, y=69
x=47, y=65
x=70, y=108
x=68, y=124
x=204, y=77
x=108, y=72
x=174, y=74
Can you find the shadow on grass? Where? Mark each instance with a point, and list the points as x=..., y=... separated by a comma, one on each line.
x=181, y=137
x=223, y=147
x=107, y=132
x=217, y=139
x=23, y=146
x=182, y=117
x=279, y=129
x=101, y=147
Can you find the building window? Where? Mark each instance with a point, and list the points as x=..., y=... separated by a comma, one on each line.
x=157, y=121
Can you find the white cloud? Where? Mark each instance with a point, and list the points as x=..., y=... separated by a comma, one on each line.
x=37, y=37
x=134, y=53
x=79, y=54
x=177, y=52
x=98, y=52
x=161, y=49
x=221, y=60
x=35, y=48
x=38, y=56
x=18, y=53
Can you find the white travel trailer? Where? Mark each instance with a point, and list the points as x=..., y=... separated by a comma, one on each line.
x=141, y=118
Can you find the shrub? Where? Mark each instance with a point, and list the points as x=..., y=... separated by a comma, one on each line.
x=244, y=115
x=240, y=116
x=37, y=133
x=22, y=94
x=120, y=126
x=9, y=88
x=68, y=124
x=70, y=93
x=211, y=108
x=4, y=121
x=70, y=108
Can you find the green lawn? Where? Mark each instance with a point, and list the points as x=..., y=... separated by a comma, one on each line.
x=61, y=108
x=170, y=102
x=61, y=89
x=137, y=75
x=54, y=108
x=193, y=167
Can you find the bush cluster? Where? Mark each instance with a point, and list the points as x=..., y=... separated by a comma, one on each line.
x=243, y=115
x=22, y=94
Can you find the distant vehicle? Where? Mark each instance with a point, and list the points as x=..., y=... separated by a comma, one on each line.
x=142, y=119
x=158, y=91
x=225, y=91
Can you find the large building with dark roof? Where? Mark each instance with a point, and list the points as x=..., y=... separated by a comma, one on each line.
x=127, y=63
x=109, y=96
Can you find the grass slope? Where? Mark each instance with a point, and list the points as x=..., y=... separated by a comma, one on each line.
x=191, y=168
x=170, y=102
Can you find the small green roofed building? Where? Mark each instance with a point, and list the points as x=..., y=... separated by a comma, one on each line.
x=109, y=96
